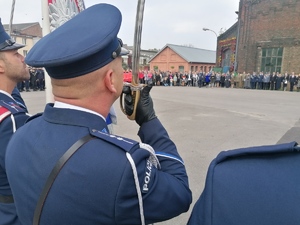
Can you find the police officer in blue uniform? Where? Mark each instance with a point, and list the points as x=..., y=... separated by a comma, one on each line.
x=109, y=179
x=40, y=79
x=13, y=114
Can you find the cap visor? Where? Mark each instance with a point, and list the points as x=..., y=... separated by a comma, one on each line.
x=12, y=47
x=124, y=51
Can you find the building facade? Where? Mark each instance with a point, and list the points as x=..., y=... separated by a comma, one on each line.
x=265, y=38
x=269, y=36
x=25, y=33
x=175, y=58
x=226, y=49
x=144, y=60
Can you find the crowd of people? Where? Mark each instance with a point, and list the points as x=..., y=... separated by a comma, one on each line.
x=36, y=81
x=261, y=81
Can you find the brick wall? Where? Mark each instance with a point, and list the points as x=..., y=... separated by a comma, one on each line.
x=269, y=24
x=168, y=60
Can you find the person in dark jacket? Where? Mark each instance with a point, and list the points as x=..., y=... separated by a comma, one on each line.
x=273, y=78
x=253, y=80
x=222, y=80
x=260, y=80
x=292, y=81
x=278, y=81
x=228, y=80
x=40, y=79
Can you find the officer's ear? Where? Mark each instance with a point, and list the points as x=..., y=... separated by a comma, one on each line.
x=109, y=81
x=2, y=64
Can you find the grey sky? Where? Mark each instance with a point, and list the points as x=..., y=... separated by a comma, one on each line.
x=177, y=22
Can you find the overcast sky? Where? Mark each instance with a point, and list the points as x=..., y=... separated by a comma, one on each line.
x=177, y=22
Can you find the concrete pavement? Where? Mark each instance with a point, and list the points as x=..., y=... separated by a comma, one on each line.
x=204, y=121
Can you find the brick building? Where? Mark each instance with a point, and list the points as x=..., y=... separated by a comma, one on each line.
x=267, y=35
x=176, y=58
x=226, y=49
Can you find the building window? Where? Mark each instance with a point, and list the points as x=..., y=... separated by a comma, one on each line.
x=24, y=41
x=226, y=59
x=192, y=68
x=271, y=60
x=181, y=69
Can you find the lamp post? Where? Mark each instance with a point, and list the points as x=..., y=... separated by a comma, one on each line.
x=206, y=29
x=11, y=16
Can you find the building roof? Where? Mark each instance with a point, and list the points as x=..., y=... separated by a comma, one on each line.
x=143, y=52
x=190, y=54
x=231, y=31
x=21, y=28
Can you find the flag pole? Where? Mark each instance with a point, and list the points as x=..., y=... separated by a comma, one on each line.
x=11, y=16
x=46, y=30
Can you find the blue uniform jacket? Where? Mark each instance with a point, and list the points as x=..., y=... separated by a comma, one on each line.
x=12, y=116
x=258, y=185
x=96, y=185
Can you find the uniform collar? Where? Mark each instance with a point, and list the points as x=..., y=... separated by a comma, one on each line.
x=74, y=117
x=7, y=94
x=62, y=105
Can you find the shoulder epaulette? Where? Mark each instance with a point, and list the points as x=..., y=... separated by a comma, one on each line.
x=12, y=106
x=124, y=143
x=4, y=112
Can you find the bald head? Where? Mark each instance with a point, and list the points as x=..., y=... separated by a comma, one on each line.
x=96, y=90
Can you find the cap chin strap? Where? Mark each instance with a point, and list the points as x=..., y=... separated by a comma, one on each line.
x=8, y=42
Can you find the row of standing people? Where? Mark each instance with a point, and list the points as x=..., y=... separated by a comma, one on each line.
x=36, y=81
x=261, y=81
x=267, y=81
x=189, y=79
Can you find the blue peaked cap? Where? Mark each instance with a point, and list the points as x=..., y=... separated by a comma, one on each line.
x=6, y=42
x=83, y=44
